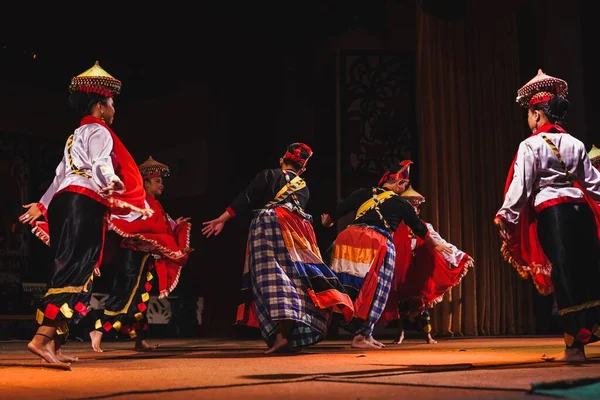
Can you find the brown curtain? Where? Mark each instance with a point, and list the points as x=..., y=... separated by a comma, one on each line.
x=469, y=131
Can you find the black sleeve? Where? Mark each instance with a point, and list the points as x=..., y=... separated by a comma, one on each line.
x=350, y=203
x=253, y=197
x=411, y=219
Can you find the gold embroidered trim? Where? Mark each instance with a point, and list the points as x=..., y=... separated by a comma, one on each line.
x=75, y=170
x=71, y=289
x=137, y=283
x=579, y=307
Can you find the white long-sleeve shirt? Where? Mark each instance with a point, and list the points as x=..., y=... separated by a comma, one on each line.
x=539, y=173
x=90, y=153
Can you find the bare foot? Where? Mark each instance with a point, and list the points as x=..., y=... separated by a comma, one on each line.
x=377, y=343
x=567, y=355
x=280, y=344
x=96, y=337
x=430, y=340
x=65, y=358
x=360, y=342
x=143, y=346
x=43, y=347
x=400, y=339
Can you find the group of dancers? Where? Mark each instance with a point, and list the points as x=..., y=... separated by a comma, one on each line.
x=387, y=264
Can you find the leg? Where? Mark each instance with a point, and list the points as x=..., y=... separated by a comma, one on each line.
x=141, y=329
x=568, y=235
x=96, y=339
x=125, y=310
x=360, y=342
x=42, y=344
x=77, y=227
x=571, y=354
x=62, y=333
x=400, y=331
x=425, y=323
x=363, y=336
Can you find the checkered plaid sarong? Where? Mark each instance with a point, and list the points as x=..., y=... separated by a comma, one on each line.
x=281, y=273
x=363, y=258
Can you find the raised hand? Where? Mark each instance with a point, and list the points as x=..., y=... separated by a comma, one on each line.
x=112, y=187
x=33, y=212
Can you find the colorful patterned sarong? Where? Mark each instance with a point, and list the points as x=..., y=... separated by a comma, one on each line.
x=285, y=278
x=363, y=259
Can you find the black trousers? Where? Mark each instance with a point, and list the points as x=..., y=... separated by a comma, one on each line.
x=77, y=228
x=569, y=237
x=125, y=311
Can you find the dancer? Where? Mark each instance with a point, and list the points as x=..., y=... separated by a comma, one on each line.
x=153, y=251
x=85, y=189
x=549, y=218
x=364, y=253
x=293, y=291
x=422, y=276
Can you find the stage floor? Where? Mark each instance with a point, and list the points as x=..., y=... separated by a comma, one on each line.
x=491, y=368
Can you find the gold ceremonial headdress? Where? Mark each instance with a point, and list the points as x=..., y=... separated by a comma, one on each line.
x=96, y=80
x=541, y=88
x=153, y=169
x=594, y=156
x=415, y=198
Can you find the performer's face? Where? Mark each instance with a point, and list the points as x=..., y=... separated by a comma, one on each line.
x=154, y=186
x=108, y=111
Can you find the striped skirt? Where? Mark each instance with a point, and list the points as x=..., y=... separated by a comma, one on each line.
x=363, y=258
x=285, y=278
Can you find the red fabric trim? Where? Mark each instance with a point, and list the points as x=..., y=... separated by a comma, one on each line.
x=150, y=176
x=41, y=231
x=556, y=201
x=230, y=211
x=85, y=192
x=126, y=169
x=43, y=210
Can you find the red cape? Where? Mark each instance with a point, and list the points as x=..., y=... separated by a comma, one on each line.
x=155, y=235
x=421, y=277
x=522, y=249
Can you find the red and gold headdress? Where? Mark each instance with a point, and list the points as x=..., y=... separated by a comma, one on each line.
x=594, y=156
x=542, y=88
x=296, y=154
x=403, y=174
x=153, y=169
x=415, y=198
x=96, y=80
